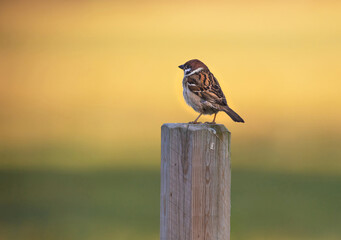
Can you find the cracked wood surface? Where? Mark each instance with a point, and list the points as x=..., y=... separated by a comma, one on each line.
x=195, y=182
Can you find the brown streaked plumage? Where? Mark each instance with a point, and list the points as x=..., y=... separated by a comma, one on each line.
x=202, y=91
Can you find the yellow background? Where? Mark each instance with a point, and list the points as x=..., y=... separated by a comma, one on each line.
x=100, y=73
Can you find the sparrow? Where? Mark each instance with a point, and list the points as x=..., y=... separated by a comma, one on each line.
x=202, y=91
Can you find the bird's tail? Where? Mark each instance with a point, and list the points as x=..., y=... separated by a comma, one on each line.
x=235, y=117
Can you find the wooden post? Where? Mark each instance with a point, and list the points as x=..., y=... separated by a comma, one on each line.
x=195, y=182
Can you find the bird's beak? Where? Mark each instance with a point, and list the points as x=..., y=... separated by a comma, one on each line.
x=182, y=67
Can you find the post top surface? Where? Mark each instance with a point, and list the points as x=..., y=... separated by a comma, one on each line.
x=197, y=127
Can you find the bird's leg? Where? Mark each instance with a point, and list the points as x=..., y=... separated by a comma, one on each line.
x=215, y=115
x=213, y=122
x=196, y=120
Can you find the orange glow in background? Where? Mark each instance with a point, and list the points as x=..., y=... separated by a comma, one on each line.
x=104, y=75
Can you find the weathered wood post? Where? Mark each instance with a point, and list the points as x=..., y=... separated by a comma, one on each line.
x=195, y=182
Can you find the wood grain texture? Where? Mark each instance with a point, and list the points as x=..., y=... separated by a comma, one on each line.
x=195, y=182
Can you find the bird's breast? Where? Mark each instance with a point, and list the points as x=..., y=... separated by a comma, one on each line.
x=191, y=99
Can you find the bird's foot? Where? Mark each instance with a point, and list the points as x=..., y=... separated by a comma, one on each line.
x=194, y=122
x=210, y=122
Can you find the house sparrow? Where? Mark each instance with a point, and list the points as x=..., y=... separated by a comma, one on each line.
x=203, y=93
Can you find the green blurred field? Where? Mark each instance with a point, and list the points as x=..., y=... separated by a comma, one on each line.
x=123, y=204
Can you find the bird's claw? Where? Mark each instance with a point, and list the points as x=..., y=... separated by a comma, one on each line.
x=194, y=122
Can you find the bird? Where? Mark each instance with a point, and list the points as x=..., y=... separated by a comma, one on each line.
x=203, y=93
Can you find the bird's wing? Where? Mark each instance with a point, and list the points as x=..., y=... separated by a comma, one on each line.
x=206, y=86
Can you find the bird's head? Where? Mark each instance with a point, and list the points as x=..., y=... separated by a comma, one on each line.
x=193, y=66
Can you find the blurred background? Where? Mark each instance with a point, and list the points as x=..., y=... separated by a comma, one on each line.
x=86, y=85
